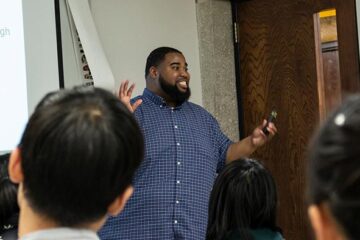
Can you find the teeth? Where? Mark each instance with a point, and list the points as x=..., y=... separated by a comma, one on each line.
x=183, y=84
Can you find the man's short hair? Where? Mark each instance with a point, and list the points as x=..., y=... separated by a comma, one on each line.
x=157, y=56
x=79, y=152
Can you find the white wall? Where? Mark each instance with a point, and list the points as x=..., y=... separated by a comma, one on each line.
x=40, y=49
x=130, y=29
x=38, y=35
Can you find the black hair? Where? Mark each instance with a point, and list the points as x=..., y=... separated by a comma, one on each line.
x=334, y=166
x=243, y=197
x=8, y=194
x=79, y=152
x=157, y=56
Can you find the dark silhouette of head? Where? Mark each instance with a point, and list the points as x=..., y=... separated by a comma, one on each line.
x=79, y=152
x=243, y=197
x=334, y=170
x=9, y=208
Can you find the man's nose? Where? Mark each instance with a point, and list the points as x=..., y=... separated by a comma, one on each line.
x=184, y=73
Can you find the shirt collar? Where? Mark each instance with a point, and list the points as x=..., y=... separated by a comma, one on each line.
x=153, y=97
x=157, y=99
x=61, y=233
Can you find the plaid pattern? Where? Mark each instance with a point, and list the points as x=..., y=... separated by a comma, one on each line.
x=184, y=149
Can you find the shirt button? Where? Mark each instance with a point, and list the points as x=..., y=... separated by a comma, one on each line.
x=178, y=144
x=175, y=126
x=175, y=221
x=177, y=202
x=178, y=182
x=178, y=163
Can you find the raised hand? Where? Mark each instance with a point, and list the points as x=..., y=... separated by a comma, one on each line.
x=125, y=93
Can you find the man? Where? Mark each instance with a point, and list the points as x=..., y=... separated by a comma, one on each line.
x=184, y=148
x=75, y=164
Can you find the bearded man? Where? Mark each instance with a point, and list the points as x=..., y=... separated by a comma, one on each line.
x=184, y=150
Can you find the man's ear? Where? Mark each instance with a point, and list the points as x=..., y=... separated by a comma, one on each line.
x=323, y=223
x=119, y=203
x=153, y=71
x=15, y=169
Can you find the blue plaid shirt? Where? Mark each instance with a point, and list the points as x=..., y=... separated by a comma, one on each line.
x=184, y=148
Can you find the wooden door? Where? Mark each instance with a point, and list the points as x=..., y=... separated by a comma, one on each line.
x=277, y=69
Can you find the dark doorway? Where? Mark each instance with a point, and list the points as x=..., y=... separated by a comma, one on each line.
x=277, y=69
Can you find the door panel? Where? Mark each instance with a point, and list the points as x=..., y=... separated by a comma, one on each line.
x=277, y=70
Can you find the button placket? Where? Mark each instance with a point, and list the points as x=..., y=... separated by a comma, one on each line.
x=178, y=161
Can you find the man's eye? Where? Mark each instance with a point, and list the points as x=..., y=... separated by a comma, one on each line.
x=176, y=68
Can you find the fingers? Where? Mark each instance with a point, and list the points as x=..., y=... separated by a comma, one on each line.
x=258, y=136
x=129, y=92
x=123, y=87
x=272, y=128
x=263, y=123
x=126, y=83
x=136, y=104
x=261, y=127
x=125, y=93
x=124, y=90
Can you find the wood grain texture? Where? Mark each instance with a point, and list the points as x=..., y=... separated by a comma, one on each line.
x=348, y=46
x=332, y=83
x=278, y=70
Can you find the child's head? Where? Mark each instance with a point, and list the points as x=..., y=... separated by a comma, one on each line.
x=77, y=157
x=334, y=174
x=243, y=197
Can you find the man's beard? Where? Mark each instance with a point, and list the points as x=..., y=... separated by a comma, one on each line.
x=173, y=92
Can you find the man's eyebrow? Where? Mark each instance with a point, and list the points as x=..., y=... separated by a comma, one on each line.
x=177, y=63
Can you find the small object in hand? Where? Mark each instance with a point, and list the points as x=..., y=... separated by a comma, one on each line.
x=271, y=118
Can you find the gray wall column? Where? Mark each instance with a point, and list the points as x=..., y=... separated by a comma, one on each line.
x=217, y=63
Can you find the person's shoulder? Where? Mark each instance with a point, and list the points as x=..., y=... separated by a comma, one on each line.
x=133, y=100
x=136, y=98
x=266, y=233
x=202, y=112
x=198, y=108
x=194, y=105
x=258, y=234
